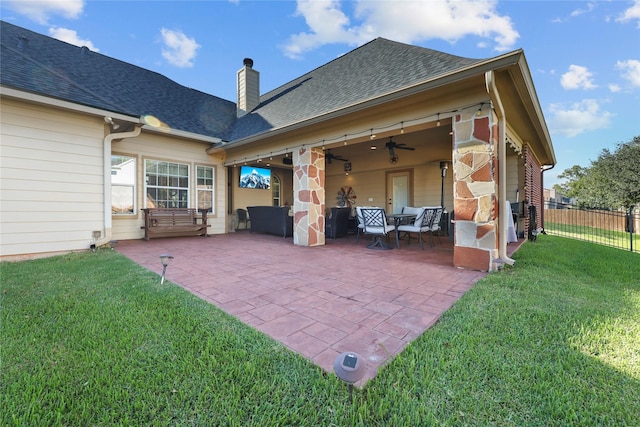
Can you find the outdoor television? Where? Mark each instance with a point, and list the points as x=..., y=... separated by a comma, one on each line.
x=253, y=177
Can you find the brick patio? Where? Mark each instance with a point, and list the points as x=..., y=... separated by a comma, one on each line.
x=318, y=301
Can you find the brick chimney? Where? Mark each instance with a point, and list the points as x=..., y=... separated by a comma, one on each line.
x=248, y=88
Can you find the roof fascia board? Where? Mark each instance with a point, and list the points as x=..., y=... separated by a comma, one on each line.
x=66, y=105
x=533, y=96
x=500, y=62
x=182, y=134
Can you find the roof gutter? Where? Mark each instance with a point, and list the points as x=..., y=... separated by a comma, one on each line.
x=502, y=170
x=503, y=61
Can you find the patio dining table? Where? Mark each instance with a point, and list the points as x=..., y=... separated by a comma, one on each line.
x=399, y=219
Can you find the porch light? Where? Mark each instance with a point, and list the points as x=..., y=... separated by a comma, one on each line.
x=165, y=259
x=350, y=368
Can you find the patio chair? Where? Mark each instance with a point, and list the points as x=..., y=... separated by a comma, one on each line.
x=426, y=222
x=375, y=224
x=360, y=222
x=242, y=217
x=437, y=221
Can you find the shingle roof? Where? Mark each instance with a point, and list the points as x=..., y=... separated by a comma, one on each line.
x=43, y=65
x=379, y=67
x=46, y=66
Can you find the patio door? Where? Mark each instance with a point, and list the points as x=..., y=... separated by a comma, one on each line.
x=399, y=190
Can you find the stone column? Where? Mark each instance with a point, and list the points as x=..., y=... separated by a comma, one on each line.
x=475, y=189
x=309, y=197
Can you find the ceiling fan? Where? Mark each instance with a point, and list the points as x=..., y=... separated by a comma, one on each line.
x=330, y=157
x=392, y=146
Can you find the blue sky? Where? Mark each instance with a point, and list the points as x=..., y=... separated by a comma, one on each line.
x=584, y=56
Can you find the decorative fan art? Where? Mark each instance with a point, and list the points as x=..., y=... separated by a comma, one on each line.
x=347, y=197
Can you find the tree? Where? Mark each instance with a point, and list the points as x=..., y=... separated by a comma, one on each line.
x=613, y=180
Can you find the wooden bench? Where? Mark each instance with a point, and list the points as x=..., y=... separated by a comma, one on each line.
x=173, y=222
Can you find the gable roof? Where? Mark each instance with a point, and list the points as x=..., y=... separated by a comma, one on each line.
x=374, y=69
x=43, y=65
x=39, y=64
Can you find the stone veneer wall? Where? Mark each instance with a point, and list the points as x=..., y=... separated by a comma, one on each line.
x=309, y=197
x=475, y=189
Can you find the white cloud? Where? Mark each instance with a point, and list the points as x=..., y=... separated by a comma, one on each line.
x=630, y=14
x=578, y=77
x=578, y=12
x=41, y=10
x=630, y=71
x=179, y=49
x=583, y=116
x=403, y=21
x=71, y=36
x=614, y=88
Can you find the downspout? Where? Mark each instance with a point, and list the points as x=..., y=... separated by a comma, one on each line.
x=106, y=154
x=542, y=201
x=502, y=169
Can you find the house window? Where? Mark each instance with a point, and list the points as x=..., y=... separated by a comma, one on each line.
x=123, y=185
x=167, y=184
x=275, y=190
x=205, y=185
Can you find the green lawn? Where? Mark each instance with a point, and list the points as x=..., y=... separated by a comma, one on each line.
x=93, y=339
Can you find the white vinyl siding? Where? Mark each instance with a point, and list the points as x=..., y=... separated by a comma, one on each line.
x=51, y=179
x=165, y=148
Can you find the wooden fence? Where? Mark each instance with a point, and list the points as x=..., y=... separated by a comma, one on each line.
x=608, y=220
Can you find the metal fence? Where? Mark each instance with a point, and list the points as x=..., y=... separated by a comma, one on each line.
x=615, y=228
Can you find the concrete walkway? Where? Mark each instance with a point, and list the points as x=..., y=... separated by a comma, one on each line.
x=319, y=301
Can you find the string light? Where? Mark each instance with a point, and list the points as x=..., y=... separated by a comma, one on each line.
x=372, y=134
